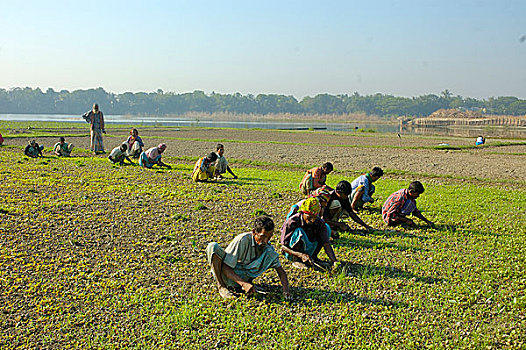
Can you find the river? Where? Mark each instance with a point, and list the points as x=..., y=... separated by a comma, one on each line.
x=352, y=126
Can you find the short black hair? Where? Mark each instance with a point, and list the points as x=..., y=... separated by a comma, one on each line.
x=416, y=186
x=377, y=171
x=263, y=223
x=62, y=138
x=344, y=187
x=125, y=146
x=212, y=156
x=328, y=166
x=219, y=145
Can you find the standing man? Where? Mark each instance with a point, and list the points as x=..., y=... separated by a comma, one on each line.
x=96, y=119
x=315, y=178
x=221, y=163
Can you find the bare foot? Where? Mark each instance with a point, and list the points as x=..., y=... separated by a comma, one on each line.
x=225, y=293
x=299, y=265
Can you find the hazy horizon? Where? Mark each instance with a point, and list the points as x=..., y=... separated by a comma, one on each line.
x=300, y=48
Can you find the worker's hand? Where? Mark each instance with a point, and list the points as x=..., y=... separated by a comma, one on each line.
x=287, y=296
x=306, y=258
x=248, y=288
x=235, y=177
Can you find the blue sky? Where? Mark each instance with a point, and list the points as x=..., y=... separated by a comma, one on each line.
x=404, y=48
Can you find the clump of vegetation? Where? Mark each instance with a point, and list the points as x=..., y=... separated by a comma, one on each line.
x=200, y=206
x=181, y=217
x=259, y=212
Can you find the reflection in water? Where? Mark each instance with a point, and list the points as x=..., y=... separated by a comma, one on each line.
x=489, y=131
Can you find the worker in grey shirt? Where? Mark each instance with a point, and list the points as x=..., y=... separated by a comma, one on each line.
x=245, y=258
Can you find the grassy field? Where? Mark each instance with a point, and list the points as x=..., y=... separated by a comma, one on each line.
x=100, y=256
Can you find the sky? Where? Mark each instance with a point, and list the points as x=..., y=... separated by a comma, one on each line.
x=299, y=48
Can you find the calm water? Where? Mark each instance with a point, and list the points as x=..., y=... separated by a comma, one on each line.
x=170, y=121
x=351, y=126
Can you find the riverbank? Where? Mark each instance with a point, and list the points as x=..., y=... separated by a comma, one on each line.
x=436, y=156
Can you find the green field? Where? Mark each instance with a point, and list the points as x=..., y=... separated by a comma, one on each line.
x=100, y=256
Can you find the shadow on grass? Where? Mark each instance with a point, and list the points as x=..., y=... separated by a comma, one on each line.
x=395, y=233
x=452, y=229
x=370, y=210
x=360, y=271
x=313, y=297
x=370, y=244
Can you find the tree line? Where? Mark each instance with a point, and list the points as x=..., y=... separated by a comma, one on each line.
x=35, y=101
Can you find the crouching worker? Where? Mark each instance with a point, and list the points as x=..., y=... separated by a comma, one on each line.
x=245, y=258
x=153, y=157
x=135, y=144
x=315, y=178
x=62, y=148
x=304, y=234
x=203, y=168
x=33, y=150
x=363, y=188
x=339, y=205
x=403, y=203
x=118, y=155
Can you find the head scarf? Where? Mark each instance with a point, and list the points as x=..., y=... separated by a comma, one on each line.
x=162, y=146
x=310, y=206
x=322, y=193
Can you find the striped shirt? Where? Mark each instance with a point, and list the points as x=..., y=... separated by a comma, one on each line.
x=398, y=204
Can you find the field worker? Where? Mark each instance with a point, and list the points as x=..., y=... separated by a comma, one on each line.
x=339, y=205
x=204, y=169
x=221, y=164
x=62, y=148
x=480, y=140
x=96, y=120
x=304, y=234
x=322, y=194
x=1, y=140
x=403, y=203
x=245, y=258
x=153, y=157
x=363, y=188
x=135, y=144
x=315, y=178
x=33, y=149
x=118, y=155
